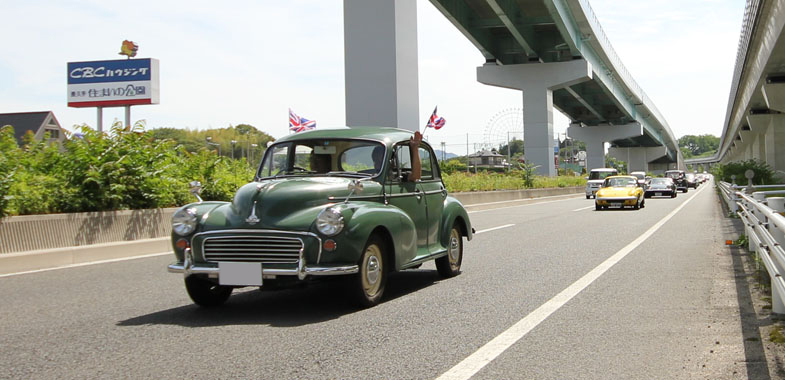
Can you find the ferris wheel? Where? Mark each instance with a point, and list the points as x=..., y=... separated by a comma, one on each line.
x=506, y=124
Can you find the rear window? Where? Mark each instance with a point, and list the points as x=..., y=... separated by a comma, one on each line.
x=601, y=174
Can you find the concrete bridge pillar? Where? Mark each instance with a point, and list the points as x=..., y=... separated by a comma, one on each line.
x=537, y=82
x=380, y=63
x=638, y=158
x=771, y=132
x=596, y=137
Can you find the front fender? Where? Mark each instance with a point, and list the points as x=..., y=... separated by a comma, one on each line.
x=454, y=213
x=368, y=217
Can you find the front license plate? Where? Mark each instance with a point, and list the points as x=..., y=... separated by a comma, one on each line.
x=658, y=194
x=240, y=274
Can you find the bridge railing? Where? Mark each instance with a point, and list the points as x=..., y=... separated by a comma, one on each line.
x=764, y=226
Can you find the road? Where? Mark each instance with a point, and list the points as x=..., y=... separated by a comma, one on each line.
x=560, y=290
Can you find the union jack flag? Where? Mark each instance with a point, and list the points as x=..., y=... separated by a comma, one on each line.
x=299, y=124
x=435, y=121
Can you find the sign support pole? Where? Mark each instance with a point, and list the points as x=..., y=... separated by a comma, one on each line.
x=100, y=122
x=128, y=117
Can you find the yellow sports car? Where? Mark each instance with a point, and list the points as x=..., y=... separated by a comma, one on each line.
x=620, y=190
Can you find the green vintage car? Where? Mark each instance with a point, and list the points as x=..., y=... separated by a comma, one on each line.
x=324, y=203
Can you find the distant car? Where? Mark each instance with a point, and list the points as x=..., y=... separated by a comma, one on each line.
x=357, y=203
x=660, y=187
x=692, y=180
x=595, y=179
x=641, y=176
x=679, y=178
x=619, y=191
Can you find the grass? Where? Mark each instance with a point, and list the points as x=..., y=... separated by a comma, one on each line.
x=462, y=182
x=776, y=336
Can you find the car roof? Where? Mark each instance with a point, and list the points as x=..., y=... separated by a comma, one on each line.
x=622, y=176
x=604, y=170
x=384, y=135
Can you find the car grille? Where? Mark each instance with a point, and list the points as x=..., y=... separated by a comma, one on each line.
x=264, y=249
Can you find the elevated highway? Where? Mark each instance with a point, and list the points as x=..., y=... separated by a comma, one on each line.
x=553, y=51
x=754, y=125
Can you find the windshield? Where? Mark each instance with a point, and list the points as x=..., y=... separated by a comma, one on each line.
x=323, y=157
x=600, y=174
x=620, y=182
x=674, y=174
x=660, y=181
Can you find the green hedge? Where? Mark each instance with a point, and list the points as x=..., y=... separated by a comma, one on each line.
x=123, y=169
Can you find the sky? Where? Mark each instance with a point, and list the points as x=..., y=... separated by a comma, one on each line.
x=248, y=62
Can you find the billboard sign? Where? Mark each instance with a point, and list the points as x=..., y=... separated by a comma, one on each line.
x=113, y=83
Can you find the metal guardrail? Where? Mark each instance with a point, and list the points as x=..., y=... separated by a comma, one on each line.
x=764, y=226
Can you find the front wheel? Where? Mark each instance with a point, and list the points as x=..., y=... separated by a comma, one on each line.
x=450, y=265
x=369, y=282
x=206, y=293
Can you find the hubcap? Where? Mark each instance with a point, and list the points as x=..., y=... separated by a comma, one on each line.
x=455, y=249
x=372, y=268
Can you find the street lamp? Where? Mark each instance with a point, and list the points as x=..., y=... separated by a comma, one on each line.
x=251, y=152
x=209, y=142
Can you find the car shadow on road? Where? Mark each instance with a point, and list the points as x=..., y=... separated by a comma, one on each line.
x=317, y=302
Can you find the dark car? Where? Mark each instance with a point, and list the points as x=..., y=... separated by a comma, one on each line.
x=692, y=180
x=679, y=177
x=660, y=187
x=357, y=203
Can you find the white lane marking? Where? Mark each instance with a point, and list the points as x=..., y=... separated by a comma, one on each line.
x=494, y=228
x=86, y=264
x=583, y=208
x=528, y=204
x=491, y=350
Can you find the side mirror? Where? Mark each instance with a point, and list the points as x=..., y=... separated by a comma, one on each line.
x=196, y=189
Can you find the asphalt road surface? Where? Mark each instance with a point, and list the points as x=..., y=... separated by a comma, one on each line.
x=549, y=290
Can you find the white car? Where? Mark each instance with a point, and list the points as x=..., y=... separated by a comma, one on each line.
x=595, y=179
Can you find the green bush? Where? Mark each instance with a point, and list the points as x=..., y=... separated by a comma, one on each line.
x=123, y=169
x=764, y=174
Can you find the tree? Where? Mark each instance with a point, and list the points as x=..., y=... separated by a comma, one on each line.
x=692, y=145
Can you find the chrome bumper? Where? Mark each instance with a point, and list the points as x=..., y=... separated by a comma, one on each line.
x=306, y=271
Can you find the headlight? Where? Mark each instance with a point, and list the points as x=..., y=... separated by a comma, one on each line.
x=184, y=221
x=329, y=221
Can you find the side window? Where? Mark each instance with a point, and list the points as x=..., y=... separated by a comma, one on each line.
x=401, y=163
x=426, y=161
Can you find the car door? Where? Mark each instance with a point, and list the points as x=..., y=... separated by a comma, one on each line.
x=408, y=196
x=433, y=189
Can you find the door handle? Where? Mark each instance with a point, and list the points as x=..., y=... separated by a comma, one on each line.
x=418, y=194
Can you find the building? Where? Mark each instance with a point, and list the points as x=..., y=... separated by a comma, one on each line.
x=39, y=123
x=488, y=159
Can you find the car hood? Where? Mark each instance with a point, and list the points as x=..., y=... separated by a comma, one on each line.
x=617, y=191
x=288, y=203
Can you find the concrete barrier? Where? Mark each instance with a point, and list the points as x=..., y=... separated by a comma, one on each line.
x=50, y=241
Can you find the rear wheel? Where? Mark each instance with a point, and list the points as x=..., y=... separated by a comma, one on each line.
x=450, y=265
x=206, y=293
x=368, y=283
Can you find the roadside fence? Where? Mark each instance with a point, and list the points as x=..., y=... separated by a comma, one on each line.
x=764, y=226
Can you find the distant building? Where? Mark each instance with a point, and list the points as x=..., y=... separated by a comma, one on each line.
x=489, y=159
x=39, y=123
